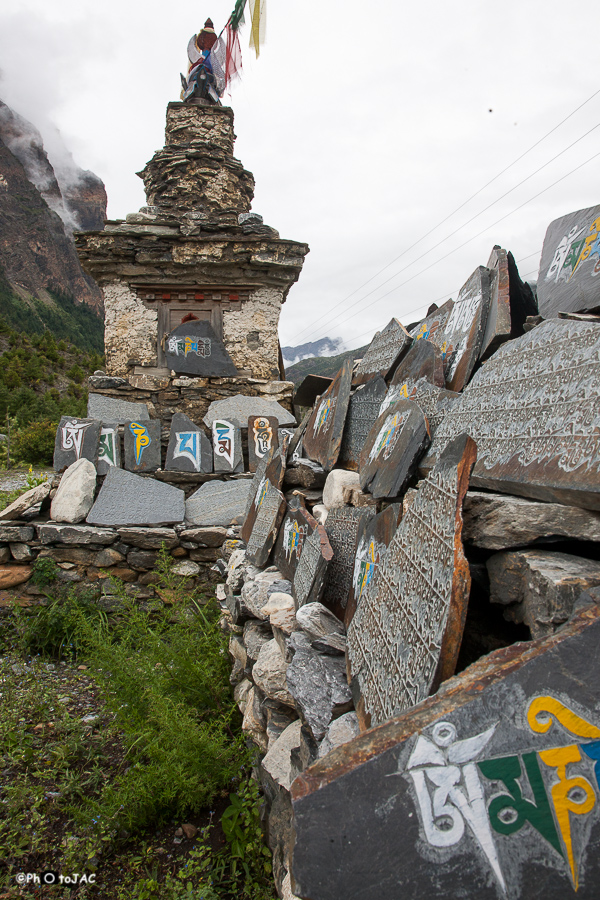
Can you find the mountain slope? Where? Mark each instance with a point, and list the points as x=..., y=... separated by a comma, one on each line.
x=321, y=365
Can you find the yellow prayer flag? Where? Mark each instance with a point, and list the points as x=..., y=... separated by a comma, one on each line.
x=258, y=23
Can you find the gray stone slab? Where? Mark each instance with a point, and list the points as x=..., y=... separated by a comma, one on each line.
x=384, y=352
x=363, y=410
x=218, y=503
x=109, y=447
x=193, y=348
x=20, y=533
x=570, y=264
x=128, y=499
x=141, y=445
x=372, y=540
x=266, y=525
x=75, y=534
x=111, y=409
x=342, y=526
x=149, y=538
x=393, y=449
x=189, y=450
x=318, y=685
x=75, y=439
x=227, y=446
x=431, y=327
x=311, y=571
x=239, y=408
x=263, y=439
x=323, y=435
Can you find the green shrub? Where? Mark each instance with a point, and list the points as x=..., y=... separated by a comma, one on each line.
x=34, y=443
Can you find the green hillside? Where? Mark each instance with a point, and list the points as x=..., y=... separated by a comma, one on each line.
x=321, y=365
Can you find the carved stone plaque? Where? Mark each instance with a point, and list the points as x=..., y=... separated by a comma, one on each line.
x=263, y=437
x=435, y=402
x=194, y=349
x=362, y=413
x=406, y=633
x=218, y=503
x=431, y=326
x=141, y=445
x=76, y=439
x=570, y=264
x=311, y=571
x=189, y=449
x=109, y=448
x=372, y=540
x=393, y=449
x=342, y=526
x=266, y=525
x=323, y=436
x=298, y=525
x=384, y=351
x=498, y=326
x=227, y=446
x=533, y=411
x=423, y=360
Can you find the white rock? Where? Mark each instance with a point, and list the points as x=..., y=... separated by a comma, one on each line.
x=252, y=725
x=75, y=494
x=186, y=567
x=240, y=693
x=255, y=590
x=339, y=732
x=26, y=501
x=337, y=480
x=277, y=762
x=317, y=621
x=286, y=889
x=320, y=512
x=269, y=673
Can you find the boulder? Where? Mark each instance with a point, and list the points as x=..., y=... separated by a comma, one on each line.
x=339, y=732
x=317, y=684
x=320, y=624
x=11, y=576
x=269, y=673
x=75, y=495
x=337, y=480
x=26, y=501
x=277, y=760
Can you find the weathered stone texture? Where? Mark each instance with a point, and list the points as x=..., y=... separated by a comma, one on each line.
x=250, y=334
x=130, y=329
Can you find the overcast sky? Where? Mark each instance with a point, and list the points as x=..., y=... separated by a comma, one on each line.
x=365, y=127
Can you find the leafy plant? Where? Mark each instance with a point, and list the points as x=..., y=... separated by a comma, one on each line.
x=43, y=571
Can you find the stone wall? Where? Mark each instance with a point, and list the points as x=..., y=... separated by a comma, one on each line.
x=250, y=334
x=129, y=327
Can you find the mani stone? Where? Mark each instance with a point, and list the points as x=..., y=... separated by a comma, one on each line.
x=325, y=428
x=423, y=360
x=311, y=571
x=471, y=794
x=540, y=588
x=511, y=302
x=109, y=447
x=75, y=439
x=363, y=410
x=393, y=449
x=385, y=350
x=342, y=527
x=109, y=409
x=435, y=402
x=263, y=438
x=266, y=525
x=499, y=521
x=532, y=410
x=218, y=503
x=372, y=540
x=193, y=348
x=141, y=445
x=227, y=446
x=129, y=499
x=75, y=495
x=570, y=263
x=297, y=526
x=189, y=450
x=430, y=328
x=406, y=632
x=239, y=408
x=30, y=498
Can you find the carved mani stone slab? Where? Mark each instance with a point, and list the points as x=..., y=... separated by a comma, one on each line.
x=405, y=635
x=298, y=525
x=263, y=436
x=227, y=446
x=323, y=436
x=189, y=449
x=372, y=539
x=76, y=439
x=533, y=411
x=423, y=360
x=487, y=790
x=129, y=499
x=311, y=571
x=270, y=468
x=387, y=347
x=194, y=349
x=570, y=264
x=362, y=413
x=141, y=445
x=393, y=449
x=266, y=525
x=430, y=328
x=218, y=503
x=342, y=526
x=109, y=448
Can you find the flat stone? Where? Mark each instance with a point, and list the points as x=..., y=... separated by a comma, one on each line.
x=189, y=450
x=254, y=723
x=317, y=684
x=333, y=491
x=218, y=503
x=325, y=428
x=417, y=598
x=511, y=302
x=109, y=447
x=193, y=348
x=110, y=409
x=266, y=526
x=18, y=533
x=141, y=445
x=104, y=382
x=75, y=495
x=26, y=501
x=341, y=730
x=269, y=675
x=311, y=571
x=363, y=410
x=239, y=408
x=499, y=521
x=297, y=526
x=305, y=473
x=108, y=557
x=75, y=439
x=11, y=576
x=149, y=538
x=227, y=446
x=393, y=450
x=129, y=499
x=432, y=325
x=423, y=360
x=75, y=534
x=539, y=588
x=342, y=528
x=435, y=402
x=373, y=537
x=384, y=352
x=569, y=264
x=277, y=761
x=256, y=635
x=21, y=552
x=187, y=568
x=5, y=555
x=531, y=410
x=263, y=439
x=211, y=537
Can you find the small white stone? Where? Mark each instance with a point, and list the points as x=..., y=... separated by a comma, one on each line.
x=337, y=480
x=186, y=567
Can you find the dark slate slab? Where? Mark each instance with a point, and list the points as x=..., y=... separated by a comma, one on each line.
x=263, y=437
x=266, y=525
x=297, y=442
x=406, y=633
x=532, y=409
x=297, y=526
x=193, y=348
x=342, y=527
x=218, y=503
x=499, y=323
x=310, y=388
x=373, y=537
x=384, y=352
x=285, y=436
x=270, y=469
x=227, y=446
x=323, y=435
x=111, y=409
x=311, y=571
x=435, y=402
x=189, y=450
x=129, y=499
x=488, y=790
x=76, y=439
x=423, y=360
x=109, y=448
x=141, y=445
x=433, y=324
x=239, y=408
x=393, y=449
x=363, y=410
x=570, y=264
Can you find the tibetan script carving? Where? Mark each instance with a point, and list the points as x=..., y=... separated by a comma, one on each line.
x=311, y=571
x=362, y=412
x=323, y=436
x=386, y=348
x=266, y=525
x=342, y=526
